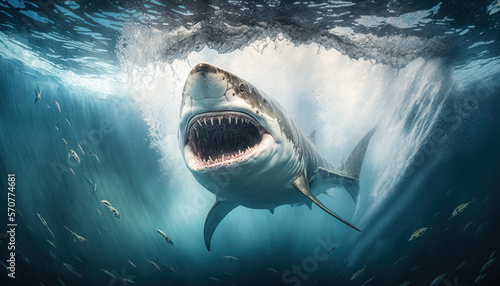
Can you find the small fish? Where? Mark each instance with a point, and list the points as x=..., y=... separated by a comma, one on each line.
x=465, y=228
x=19, y=211
x=98, y=231
x=485, y=200
x=131, y=263
x=358, y=273
x=78, y=258
x=108, y=273
x=128, y=281
x=60, y=281
x=493, y=254
x=52, y=255
x=106, y=203
x=51, y=243
x=95, y=155
x=415, y=268
x=38, y=95
x=436, y=214
x=71, y=170
x=230, y=258
x=57, y=105
x=461, y=265
x=72, y=154
x=46, y=226
x=83, y=153
x=332, y=249
x=397, y=261
x=48, y=106
x=169, y=268
x=438, y=279
x=164, y=236
x=448, y=192
x=213, y=278
x=4, y=266
x=67, y=121
x=154, y=264
x=338, y=273
x=479, y=278
x=93, y=186
x=115, y=212
x=272, y=270
x=80, y=238
x=57, y=128
x=461, y=208
x=64, y=140
x=487, y=265
x=479, y=228
x=418, y=233
x=71, y=269
x=368, y=281
x=230, y=274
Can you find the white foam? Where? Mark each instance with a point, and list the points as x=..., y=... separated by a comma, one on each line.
x=321, y=89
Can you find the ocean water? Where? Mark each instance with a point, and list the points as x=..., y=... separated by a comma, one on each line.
x=424, y=73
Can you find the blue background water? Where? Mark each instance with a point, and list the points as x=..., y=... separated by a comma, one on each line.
x=425, y=73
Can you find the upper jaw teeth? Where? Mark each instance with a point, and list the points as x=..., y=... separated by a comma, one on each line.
x=212, y=120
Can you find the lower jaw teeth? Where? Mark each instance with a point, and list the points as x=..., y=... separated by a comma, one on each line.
x=223, y=158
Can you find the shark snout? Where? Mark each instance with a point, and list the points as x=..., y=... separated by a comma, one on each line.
x=205, y=81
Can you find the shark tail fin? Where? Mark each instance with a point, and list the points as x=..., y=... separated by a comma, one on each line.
x=352, y=166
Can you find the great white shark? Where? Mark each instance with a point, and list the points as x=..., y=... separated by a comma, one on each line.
x=241, y=145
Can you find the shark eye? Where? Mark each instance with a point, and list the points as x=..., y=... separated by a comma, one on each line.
x=242, y=88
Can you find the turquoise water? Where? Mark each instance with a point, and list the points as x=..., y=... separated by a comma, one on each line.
x=424, y=73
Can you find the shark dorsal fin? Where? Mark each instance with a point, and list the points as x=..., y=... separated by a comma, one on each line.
x=352, y=166
x=300, y=183
x=312, y=136
x=215, y=215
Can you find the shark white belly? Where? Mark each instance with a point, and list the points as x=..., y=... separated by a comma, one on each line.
x=242, y=146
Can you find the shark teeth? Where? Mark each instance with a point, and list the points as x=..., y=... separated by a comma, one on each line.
x=224, y=161
x=222, y=136
x=203, y=121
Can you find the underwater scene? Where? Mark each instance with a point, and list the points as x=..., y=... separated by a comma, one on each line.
x=249, y=142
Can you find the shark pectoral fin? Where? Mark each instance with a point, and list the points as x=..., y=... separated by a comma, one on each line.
x=312, y=136
x=333, y=179
x=302, y=186
x=215, y=215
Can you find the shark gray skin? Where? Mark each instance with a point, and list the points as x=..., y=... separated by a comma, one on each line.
x=242, y=146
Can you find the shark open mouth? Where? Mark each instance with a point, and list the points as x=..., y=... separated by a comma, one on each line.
x=222, y=138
